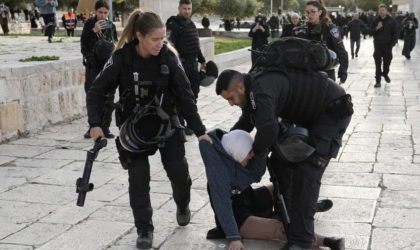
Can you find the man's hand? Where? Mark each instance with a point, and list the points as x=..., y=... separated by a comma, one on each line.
x=95, y=133
x=206, y=138
x=379, y=25
x=236, y=245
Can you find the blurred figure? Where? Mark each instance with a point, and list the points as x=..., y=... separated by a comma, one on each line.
x=69, y=21
x=409, y=25
x=4, y=18
x=48, y=10
x=259, y=33
x=274, y=24
x=288, y=28
x=356, y=27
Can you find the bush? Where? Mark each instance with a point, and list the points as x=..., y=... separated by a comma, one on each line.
x=39, y=58
x=223, y=45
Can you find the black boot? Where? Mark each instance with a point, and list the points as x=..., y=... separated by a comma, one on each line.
x=87, y=134
x=335, y=243
x=144, y=240
x=215, y=233
x=323, y=205
x=107, y=133
x=183, y=215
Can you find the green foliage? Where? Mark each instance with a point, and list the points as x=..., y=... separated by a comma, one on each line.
x=230, y=9
x=222, y=45
x=204, y=7
x=39, y=58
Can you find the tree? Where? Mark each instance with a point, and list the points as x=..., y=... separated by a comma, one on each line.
x=228, y=10
x=204, y=7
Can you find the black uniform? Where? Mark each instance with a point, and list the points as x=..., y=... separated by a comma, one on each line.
x=287, y=30
x=118, y=73
x=184, y=36
x=356, y=27
x=94, y=63
x=409, y=24
x=306, y=99
x=384, y=39
x=331, y=36
x=259, y=39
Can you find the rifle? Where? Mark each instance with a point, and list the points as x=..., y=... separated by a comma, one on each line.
x=82, y=184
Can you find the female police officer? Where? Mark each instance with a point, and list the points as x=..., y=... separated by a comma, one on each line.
x=320, y=28
x=141, y=68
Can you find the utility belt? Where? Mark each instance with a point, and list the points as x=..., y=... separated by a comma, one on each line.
x=188, y=58
x=341, y=107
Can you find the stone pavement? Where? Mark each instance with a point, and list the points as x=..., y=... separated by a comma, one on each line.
x=374, y=183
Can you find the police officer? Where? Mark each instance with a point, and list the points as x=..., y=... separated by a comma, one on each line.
x=385, y=36
x=97, y=44
x=320, y=28
x=308, y=99
x=144, y=69
x=184, y=36
x=259, y=32
x=410, y=24
x=356, y=26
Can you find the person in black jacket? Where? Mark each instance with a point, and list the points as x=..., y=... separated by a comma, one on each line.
x=259, y=33
x=144, y=69
x=385, y=36
x=309, y=99
x=356, y=27
x=288, y=28
x=409, y=24
x=183, y=35
x=97, y=44
x=320, y=28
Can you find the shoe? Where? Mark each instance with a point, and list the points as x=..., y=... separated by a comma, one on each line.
x=323, y=205
x=377, y=85
x=144, y=240
x=108, y=134
x=291, y=246
x=387, y=79
x=335, y=243
x=352, y=56
x=215, y=233
x=183, y=215
x=188, y=131
x=408, y=57
x=49, y=40
x=87, y=134
x=357, y=55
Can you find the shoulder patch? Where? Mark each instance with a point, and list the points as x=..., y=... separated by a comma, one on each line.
x=335, y=32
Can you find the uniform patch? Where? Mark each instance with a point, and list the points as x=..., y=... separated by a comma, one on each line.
x=335, y=32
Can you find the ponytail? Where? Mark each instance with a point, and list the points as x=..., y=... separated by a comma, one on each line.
x=129, y=32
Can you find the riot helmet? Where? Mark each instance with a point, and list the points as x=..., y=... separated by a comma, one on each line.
x=208, y=75
x=293, y=145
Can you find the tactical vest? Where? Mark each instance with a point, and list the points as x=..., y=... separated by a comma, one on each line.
x=70, y=20
x=187, y=43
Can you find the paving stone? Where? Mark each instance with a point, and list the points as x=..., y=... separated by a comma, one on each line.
x=157, y=200
x=392, y=168
x=111, y=213
x=403, y=199
x=72, y=214
x=356, y=234
x=8, y=183
x=89, y=235
x=64, y=154
x=22, y=172
x=40, y=163
x=395, y=238
x=14, y=247
x=353, y=167
x=358, y=157
x=6, y=159
x=22, y=151
x=46, y=194
x=37, y=142
x=9, y=228
x=350, y=210
x=15, y=212
x=401, y=182
x=397, y=218
x=349, y=192
x=352, y=179
x=36, y=234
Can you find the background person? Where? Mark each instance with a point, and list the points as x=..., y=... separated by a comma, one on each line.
x=409, y=24
x=356, y=27
x=259, y=32
x=69, y=21
x=48, y=12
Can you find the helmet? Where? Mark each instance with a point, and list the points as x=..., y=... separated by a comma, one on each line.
x=150, y=127
x=332, y=60
x=208, y=75
x=293, y=145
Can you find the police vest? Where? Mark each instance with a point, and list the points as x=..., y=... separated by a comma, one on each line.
x=187, y=43
x=70, y=20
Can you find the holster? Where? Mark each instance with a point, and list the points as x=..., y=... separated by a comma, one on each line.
x=341, y=107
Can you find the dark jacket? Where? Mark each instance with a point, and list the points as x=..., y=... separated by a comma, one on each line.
x=118, y=73
x=224, y=174
x=356, y=28
x=287, y=30
x=89, y=38
x=272, y=95
x=259, y=38
x=410, y=24
x=388, y=34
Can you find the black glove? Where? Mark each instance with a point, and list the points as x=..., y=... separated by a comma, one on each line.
x=343, y=77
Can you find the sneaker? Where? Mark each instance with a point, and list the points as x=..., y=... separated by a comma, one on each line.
x=87, y=134
x=291, y=246
x=215, y=233
x=144, y=240
x=377, y=85
x=183, y=215
x=352, y=56
x=335, y=243
x=387, y=79
x=323, y=205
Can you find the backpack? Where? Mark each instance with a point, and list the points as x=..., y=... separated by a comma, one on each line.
x=294, y=52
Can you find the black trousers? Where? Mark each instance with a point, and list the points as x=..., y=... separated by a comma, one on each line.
x=176, y=167
x=300, y=182
x=352, y=42
x=49, y=20
x=5, y=25
x=70, y=32
x=409, y=44
x=382, y=54
x=191, y=70
x=90, y=74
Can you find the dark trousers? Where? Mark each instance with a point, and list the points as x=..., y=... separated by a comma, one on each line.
x=300, y=183
x=49, y=20
x=409, y=44
x=90, y=75
x=352, y=42
x=382, y=53
x=70, y=32
x=5, y=26
x=176, y=167
x=255, y=55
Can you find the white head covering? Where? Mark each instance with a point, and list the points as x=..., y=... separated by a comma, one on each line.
x=237, y=143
